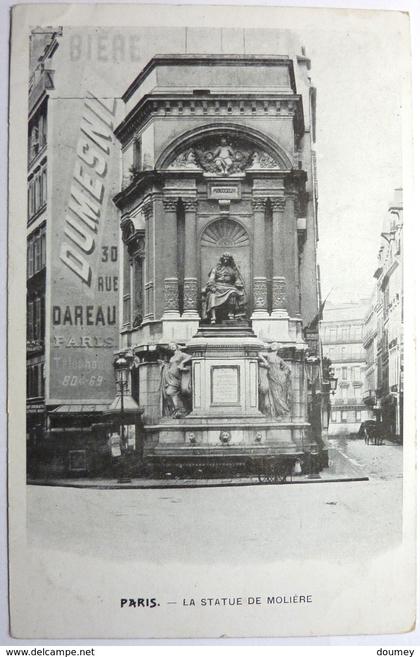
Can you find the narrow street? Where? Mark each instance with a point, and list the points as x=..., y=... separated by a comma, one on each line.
x=246, y=523
x=382, y=462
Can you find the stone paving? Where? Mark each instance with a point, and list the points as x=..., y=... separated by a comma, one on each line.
x=231, y=522
x=376, y=461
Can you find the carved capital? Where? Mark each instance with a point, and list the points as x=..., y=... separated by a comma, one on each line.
x=278, y=203
x=258, y=203
x=190, y=293
x=170, y=203
x=171, y=294
x=260, y=293
x=190, y=204
x=279, y=293
x=147, y=210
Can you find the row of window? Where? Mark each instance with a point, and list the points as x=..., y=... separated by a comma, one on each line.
x=35, y=382
x=348, y=394
x=346, y=416
x=36, y=252
x=341, y=333
x=37, y=134
x=35, y=319
x=37, y=191
x=348, y=373
x=344, y=352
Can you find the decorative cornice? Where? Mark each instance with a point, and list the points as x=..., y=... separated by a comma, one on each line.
x=223, y=105
x=136, y=187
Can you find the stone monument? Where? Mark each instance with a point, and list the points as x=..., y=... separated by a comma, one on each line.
x=215, y=301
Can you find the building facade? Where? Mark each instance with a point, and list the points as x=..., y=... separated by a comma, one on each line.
x=218, y=266
x=44, y=43
x=384, y=337
x=72, y=262
x=342, y=342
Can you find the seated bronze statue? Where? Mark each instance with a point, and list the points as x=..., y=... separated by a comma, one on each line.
x=224, y=292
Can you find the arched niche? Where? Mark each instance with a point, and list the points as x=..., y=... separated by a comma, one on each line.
x=226, y=235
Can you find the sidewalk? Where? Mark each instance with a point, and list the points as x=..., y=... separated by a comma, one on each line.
x=144, y=483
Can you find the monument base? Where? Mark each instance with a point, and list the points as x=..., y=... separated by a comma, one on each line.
x=225, y=429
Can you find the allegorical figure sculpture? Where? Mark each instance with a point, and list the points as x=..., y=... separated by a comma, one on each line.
x=274, y=383
x=225, y=293
x=176, y=383
x=224, y=157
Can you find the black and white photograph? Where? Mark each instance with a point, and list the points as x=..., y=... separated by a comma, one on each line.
x=213, y=438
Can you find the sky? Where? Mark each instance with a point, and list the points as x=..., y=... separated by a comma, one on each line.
x=358, y=79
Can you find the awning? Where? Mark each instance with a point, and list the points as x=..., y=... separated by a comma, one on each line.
x=85, y=409
x=130, y=406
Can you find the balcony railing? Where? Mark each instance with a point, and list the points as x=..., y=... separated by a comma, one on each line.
x=369, y=397
x=354, y=358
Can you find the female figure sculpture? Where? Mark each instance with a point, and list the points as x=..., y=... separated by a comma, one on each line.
x=175, y=382
x=224, y=290
x=274, y=383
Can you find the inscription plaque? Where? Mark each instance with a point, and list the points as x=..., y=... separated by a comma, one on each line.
x=224, y=385
x=224, y=192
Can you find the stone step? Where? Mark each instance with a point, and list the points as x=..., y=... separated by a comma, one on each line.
x=223, y=451
x=225, y=331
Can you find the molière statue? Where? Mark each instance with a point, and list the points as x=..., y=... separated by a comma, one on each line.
x=225, y=291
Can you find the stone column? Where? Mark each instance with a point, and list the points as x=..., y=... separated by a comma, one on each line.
x=291, y=255
x=170, y=286
x=190, y=259
x=149, y=309
x=279, y=258
x=260, y=279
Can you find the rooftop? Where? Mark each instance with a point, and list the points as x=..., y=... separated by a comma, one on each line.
x=209, y=60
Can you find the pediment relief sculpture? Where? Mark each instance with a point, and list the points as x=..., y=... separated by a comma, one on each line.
x=222, y=156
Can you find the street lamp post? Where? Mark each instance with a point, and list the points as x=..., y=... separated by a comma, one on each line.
x=121, y=366
x=333, y=381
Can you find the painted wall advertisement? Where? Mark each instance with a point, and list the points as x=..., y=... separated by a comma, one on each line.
x=83, y=238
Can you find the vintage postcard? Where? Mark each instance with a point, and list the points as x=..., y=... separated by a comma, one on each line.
x=216, y=436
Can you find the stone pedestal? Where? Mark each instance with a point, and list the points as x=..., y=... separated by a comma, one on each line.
x=225, y=373
x=225, y=420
